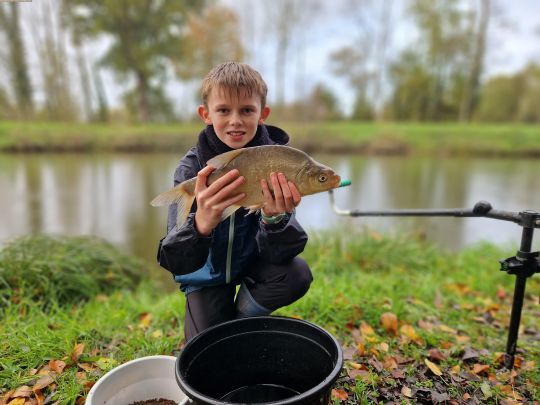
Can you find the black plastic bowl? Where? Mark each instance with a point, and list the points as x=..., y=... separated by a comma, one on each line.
x=268, y=359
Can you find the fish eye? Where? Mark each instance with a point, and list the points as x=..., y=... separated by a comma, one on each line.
x=322, y=178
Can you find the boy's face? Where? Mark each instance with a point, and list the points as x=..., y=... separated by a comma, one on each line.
x=234, y=115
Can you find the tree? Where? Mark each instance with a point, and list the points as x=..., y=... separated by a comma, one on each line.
x=363, y=62
x=472, y=82
x=16, y=58
x=145, y=35
x=443, y=50
x=50, y=39
x=211, y=37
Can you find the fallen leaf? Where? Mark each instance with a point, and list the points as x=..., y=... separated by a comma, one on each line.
x=18, y=401
x=40, y=398
x=406, y=391
x=501, y=293
x=433, y=367
x=383, y=347
x=486, y=390
x=409, y=332
x=439, y=397
x=466, y=396
x=22, y=391
x=469, y=354
x=77, y=352
x=157, y=334
x=455, y=369
x=398, y=374
x=509, y=390
x=390, y=363
x=480, y=368
x=354, y=365
x=360, y=349
x=366, y=329
x=348, y=353
x=43, y=382
x=105, y=363
x=435, y=354
x=444, y=328
x=389, y=322
x=463, y=338
x=144, y=320
x=340, y=395
x=57, y=366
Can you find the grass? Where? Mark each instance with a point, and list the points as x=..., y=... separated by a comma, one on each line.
x=455, y=303
x=339, y=136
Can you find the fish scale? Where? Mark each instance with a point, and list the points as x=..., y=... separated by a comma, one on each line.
x=254, y=164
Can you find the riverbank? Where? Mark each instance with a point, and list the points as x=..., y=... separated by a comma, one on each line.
x=332, y=137
x=415, y=322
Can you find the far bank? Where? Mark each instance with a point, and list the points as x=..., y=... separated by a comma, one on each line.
x=351, y=137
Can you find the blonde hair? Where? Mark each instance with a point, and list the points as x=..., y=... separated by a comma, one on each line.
x=234, y=76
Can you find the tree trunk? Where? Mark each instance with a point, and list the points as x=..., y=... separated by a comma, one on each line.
x=18, y=68
x=472, y=84
x=85, y=81
x=142, y=97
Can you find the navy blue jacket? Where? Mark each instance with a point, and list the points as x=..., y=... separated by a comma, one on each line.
x=227, y=255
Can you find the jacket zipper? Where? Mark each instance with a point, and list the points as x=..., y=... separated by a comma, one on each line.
x=229, y=250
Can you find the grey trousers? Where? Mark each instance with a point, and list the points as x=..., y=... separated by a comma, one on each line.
x=266, y=288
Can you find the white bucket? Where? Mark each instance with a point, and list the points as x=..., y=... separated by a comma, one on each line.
x=138, y=380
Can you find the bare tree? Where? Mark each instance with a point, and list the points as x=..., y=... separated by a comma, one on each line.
x=16, y=59
x=472, y=82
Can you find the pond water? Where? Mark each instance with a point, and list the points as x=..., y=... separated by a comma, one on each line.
x=108, y=195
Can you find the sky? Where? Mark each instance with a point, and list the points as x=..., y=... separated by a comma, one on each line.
x=514, y=40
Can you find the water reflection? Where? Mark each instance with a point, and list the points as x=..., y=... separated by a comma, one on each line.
x=108, y=195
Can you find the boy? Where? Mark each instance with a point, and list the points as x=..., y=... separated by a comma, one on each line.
x=209, y=257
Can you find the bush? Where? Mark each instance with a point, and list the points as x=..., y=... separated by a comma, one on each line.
x=64, y=270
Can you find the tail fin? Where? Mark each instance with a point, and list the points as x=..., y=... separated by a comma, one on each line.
x=179, y=195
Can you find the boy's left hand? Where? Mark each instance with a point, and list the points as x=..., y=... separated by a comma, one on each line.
x=285, y=195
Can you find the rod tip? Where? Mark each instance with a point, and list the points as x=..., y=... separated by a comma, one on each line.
x=344, y=183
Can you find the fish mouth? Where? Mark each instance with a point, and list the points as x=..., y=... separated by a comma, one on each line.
x=336, y=181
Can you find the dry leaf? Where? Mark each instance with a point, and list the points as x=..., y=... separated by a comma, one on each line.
x=406, y=391
x=57, y=366
x=480, y=368
x=389, y=322
x=409, y=332
x=339, y=394
x=433, y=367
x=436, y=355
x=157, y=334
x=144, y=320
x=43, y=382
x=18, y=401
x=77, y=352
x=360, y=349
x=366, y=329
x=390, y=363
x=383, y=347
x=23, y=391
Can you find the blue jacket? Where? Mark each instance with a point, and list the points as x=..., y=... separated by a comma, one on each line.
x=227, y=255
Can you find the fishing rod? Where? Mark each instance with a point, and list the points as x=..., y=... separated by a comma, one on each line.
x=523, y=265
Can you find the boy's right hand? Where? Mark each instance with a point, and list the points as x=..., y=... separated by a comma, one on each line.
x=213, y=199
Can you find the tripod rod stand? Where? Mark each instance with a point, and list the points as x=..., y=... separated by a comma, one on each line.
x=523, y=265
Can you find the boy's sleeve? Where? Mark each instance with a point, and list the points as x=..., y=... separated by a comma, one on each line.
x=183, y=250
x=281, y=242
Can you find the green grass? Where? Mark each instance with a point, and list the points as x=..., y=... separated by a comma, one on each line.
x=339, y=136
x=442, y=296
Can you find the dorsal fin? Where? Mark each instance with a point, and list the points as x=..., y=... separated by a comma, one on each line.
x=222, y=160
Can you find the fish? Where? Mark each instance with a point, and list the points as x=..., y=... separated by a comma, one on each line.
x=254, y=163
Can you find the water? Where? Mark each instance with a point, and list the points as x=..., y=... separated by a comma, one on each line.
x=108, y=195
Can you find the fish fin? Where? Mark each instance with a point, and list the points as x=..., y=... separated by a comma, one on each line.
x=179, y=195
x=183, y=208
x=174, y=195
x=229, y=211
x=254, y=208
x=222, y=160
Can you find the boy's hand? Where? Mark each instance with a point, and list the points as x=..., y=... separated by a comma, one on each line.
x=285, y=197
x=213, y=199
